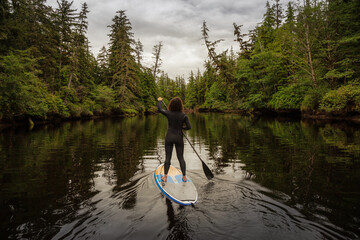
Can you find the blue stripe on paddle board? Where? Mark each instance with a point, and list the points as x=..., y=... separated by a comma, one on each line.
x=169, y=178
x=179, y=178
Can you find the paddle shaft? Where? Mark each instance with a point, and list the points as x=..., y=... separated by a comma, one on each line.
x=206, y=169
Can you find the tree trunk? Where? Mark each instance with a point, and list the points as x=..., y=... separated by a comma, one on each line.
x=70, y=78
x=157, y=50
x=308, y=49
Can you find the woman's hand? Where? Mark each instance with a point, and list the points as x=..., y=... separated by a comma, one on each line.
x=160, y=99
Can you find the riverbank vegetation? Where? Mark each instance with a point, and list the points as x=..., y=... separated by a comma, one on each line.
x=48, y=71
x=301, y=57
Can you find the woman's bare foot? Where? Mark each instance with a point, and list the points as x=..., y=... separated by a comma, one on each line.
x=184, y=178
x=164, y=178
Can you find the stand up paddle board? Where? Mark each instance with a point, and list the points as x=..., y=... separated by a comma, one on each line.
x=183, y=193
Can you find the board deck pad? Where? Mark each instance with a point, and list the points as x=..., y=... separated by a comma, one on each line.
x=175, y=188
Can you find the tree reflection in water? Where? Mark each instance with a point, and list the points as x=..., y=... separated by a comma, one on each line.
x=49, y=177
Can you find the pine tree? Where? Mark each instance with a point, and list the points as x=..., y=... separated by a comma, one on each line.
x=78, y=46
x=149, y=90
x=244, y=45
x=180, y=88
x=65, y=21
x=4, y=30
x=214, y=57
x=139, y=49
x=278, y=13
x=191, y=94
x=266, y=32
x=122, y=64
x=307, y=31
x=219, y=61
x=288, y=41
x=290, y=15
x=201, y=88
x=103, y=66
x=341, y=48
x=269, y=17
x=83, y=63
x=157, y=59
x=29, y=24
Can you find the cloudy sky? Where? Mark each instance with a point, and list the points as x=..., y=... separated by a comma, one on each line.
x=177, y=23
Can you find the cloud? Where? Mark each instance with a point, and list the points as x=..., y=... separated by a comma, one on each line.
x=177, y=23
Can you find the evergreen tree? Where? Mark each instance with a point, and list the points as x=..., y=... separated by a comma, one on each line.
x=78, y=45
x=287, y=43
x=180, y=88
x=265, y=33
x=157, y=60
x=85, y=64
x=307, y=31
x=191, y=94
x=29, y=24
x=214, y=57
x=201, y=88
x=122, y=64
x=278, y=13
x=22, y=94
x=305, y=59
x=224, y=65
x=342, y=34
x=4, y=29
x=290, y=15
x=103, y=66
x=65, y=21
x=244, y=45
x=270, y=17
x=149, y=90
x=139, y=49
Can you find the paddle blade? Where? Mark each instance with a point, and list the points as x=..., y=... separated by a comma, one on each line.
x=207, y=171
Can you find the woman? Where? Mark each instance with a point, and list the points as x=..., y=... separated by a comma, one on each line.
x=174, y=136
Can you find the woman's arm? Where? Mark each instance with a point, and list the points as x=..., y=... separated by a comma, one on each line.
x=160, y=108
x=187, y=123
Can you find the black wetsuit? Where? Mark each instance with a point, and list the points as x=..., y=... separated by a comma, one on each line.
x=174, y=136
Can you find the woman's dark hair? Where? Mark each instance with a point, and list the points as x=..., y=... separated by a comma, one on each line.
x=176, y=105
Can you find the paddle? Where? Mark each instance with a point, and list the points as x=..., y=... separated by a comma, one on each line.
x=206, y=169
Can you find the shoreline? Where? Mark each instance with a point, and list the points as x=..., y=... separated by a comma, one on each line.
x=291, y=114
x=282, y=114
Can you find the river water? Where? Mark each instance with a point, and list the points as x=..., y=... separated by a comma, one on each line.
x=94, y=180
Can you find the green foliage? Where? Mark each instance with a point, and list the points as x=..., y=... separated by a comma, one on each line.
x=125, y=100
x=74, y=110
x=216, y=97
x=148, y=89
x=254, y=101
x=317, y=46
x=104, y=98
x=21, y=91
x=56, y=106
x=169, y=88
x=191, y=92
x=268, y=73
x=57, y=76
x=69, y=95
x=129, y=111
x=345, y=99
x=312, y=99
x=289, y=97
x=125, y=80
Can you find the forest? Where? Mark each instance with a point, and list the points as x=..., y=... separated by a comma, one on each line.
x=303, y=57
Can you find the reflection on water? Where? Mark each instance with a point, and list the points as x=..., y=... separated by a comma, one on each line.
x=94, y=179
